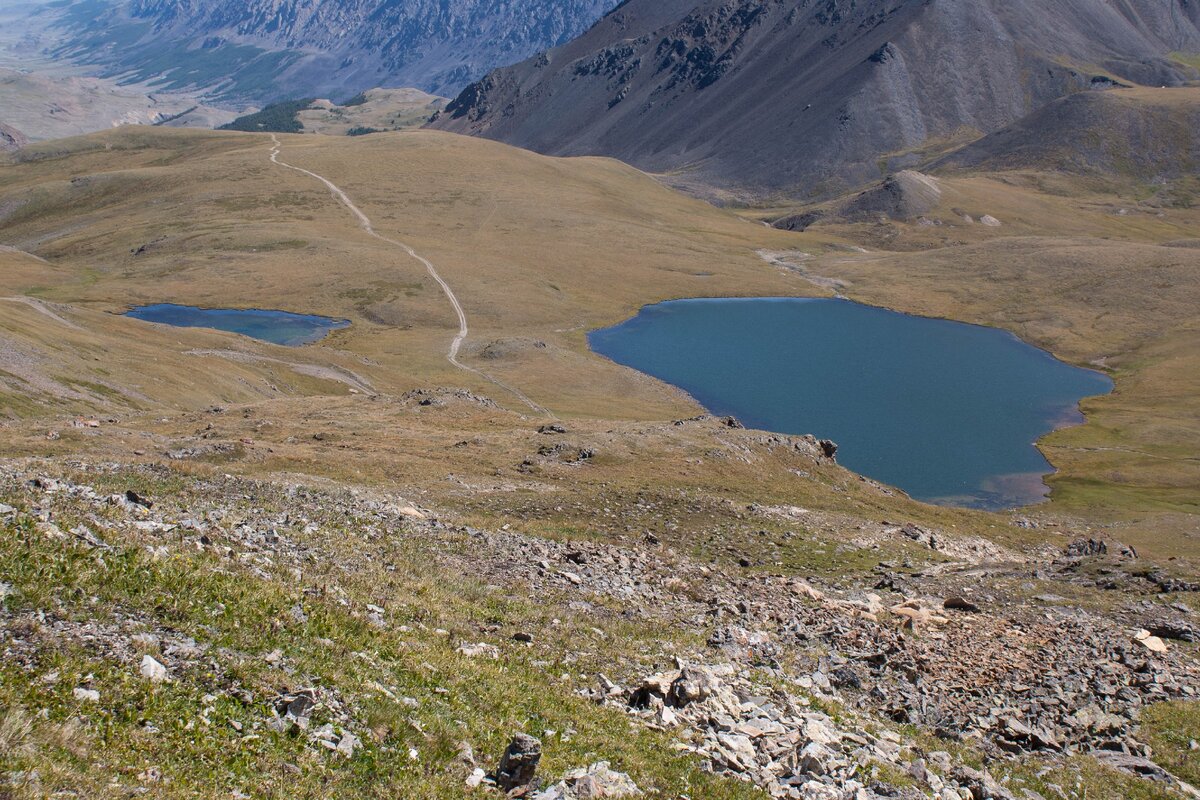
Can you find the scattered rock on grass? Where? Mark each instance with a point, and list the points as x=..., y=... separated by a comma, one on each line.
x=595, y=781
x=153, y=670
x=519, y=765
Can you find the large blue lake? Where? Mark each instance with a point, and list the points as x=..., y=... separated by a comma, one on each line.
x=946, y=411
x=279, y=327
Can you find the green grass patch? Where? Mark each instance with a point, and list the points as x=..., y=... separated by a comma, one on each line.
x=205, y=733
x=1187, y=59
x=1172, y=730
x=1082, y=777
x=275, y=118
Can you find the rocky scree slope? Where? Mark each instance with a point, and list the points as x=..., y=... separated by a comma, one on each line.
x=806, y=690
x=328, y=48
x=765, y=97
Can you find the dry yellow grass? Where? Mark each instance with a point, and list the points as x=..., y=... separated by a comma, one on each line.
x=383, y=110
x=538, y=250
x=1101, y=274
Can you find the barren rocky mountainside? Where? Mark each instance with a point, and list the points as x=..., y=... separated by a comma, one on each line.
x=807, y=99
x=1150, y=133
x=266, y=49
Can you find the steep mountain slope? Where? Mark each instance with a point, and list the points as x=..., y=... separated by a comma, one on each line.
x=266, y=49
x=1149, y=134
x=769, y=97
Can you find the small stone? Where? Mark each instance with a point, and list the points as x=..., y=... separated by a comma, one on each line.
x=740, y=747
x=348, y=744
x=86, y=695
x=481, y=650
x=145, y=641
x=940, y=760
x=960, y=604
x=694, y=684
x=154, y=671
x=475, y=778
x=597, y=781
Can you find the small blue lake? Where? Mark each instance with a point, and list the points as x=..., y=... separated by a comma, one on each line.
x=278, y=327
x=946, y=411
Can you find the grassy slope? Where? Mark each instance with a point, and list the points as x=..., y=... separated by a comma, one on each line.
x=73, y=614
x=180, y=738
x=379, y=110
x=1082, y=267
x=536, y=248
x=539, y=250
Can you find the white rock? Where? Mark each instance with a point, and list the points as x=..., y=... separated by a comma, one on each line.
x=146, y=641
x=475, y=778
x=325, y=734
x=154, y=671
x=990, y=221
x=596, y=781
x=153, y=527
x=481, y=650
x=86, y=695
x=817, y=731
x=348, y=743
x=1151, y=643
x=740, y=747
x=815, y=759
x=50, y=531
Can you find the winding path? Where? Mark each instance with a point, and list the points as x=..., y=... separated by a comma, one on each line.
x=364, y=222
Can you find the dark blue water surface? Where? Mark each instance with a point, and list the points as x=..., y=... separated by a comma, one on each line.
x=946, y=411
x=279, y=327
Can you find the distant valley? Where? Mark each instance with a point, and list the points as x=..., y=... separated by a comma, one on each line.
x=70, y=68
x=259, y=51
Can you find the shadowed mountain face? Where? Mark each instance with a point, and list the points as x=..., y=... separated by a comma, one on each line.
x=1147, y=134
x=265, y=49
x=809, y=98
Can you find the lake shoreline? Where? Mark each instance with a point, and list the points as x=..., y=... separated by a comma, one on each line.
x=1008, y=349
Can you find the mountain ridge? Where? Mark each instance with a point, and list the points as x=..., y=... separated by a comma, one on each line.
x=264, y=50
x=764, y=98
